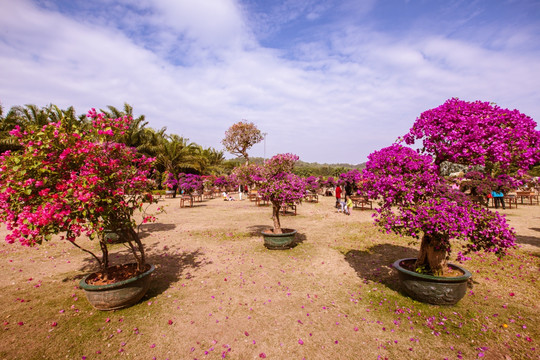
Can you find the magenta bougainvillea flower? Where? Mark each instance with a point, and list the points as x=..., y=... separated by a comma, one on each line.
x=477, y=133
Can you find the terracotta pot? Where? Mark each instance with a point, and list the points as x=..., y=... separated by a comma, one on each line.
x=118, y=295
x=278, y=241
x=429, y=289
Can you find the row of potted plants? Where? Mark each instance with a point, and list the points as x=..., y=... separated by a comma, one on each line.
x=72, y=182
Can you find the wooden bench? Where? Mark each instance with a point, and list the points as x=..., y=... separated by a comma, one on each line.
x=186, y=199
x=284, y=208
x=252, y=196
x=312, y=198
x=259, y=201
x=509, y=200
x=527, y=195
x=361, y=202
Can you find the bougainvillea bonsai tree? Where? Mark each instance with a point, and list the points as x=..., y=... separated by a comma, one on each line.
x=246, y=175
x=351, y=180
x=221, y=182
x=190, y=183
x=170, y=181
x=312, y=184
x=416, y=201
x=72, y=182
x=280, y=186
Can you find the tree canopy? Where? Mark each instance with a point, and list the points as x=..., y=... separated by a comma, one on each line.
x=240, y=137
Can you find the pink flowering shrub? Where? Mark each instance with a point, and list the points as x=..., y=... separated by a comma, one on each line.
x=312, y=183
x=75, y=183
x=351, y=179
x=246, y=174
x=170, y=181
x=477, y=133
x=329, y=182
x=221, y=182
x=190, y=183
x=279, y=185
x=415, y=201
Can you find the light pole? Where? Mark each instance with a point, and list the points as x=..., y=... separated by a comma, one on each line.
x=264, y=134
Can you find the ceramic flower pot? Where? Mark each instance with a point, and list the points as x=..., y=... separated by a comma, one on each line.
x=278, y=241
x=429, y=289
x=119, y=295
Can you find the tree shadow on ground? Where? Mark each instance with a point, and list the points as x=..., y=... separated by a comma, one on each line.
x=530, y=240
x=375, y=264
x=147, y=229
x=255, y=230
x=171, y=265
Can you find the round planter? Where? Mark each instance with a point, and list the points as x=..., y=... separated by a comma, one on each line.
x=118, y=295
x=429, y=289
x=278, y=241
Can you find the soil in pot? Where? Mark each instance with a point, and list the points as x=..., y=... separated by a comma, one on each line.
x=115, y=274
x=117, y=294
x=449, y=272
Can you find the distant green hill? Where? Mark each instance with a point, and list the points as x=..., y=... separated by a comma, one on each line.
x=305, y=168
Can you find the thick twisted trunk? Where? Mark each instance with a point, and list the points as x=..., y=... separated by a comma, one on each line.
x=433, y=255
x=275, y=217
x=136, y=247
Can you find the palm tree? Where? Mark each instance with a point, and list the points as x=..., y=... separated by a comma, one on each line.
x=8, y=123
x=213, y=161
x=69, y=117
x=176, y=154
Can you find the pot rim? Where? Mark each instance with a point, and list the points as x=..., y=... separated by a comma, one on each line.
x=89, y=287
x=466, y=274
x=286, y=232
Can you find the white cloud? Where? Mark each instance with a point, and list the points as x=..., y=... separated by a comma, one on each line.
x=198, y=69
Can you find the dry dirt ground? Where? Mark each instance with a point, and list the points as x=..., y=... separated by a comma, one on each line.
x=219, y=293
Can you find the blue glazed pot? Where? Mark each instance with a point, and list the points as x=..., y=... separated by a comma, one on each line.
x=278, y=241
x=429, y=289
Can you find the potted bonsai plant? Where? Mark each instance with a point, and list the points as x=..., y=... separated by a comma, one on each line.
x=416, y=201
x=171, y=183
x=281, y=187
x=189, y=184
x=78, y=182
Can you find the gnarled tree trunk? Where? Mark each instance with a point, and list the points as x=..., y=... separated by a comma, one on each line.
x=275, y=216
x=433, y=255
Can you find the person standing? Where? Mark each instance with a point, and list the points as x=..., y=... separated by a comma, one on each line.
x=338, y=196
x=348, y=205
x=498, y=198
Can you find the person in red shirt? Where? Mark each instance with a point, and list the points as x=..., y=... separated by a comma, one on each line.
x=338, y=196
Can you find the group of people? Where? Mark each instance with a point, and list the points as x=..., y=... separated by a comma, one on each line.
x=343, y=205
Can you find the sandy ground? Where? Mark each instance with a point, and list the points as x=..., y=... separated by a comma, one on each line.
x=221, y=289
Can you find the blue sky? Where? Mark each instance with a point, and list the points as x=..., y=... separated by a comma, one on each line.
x=330, y=81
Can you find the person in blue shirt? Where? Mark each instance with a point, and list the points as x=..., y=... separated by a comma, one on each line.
x=498, y=198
